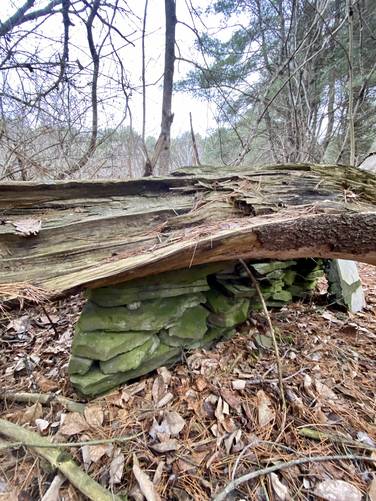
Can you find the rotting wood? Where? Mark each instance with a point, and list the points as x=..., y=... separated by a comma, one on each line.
x=102, y=232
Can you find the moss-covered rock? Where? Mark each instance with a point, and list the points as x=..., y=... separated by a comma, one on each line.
x=95, y=382
x=102, y=345
x=191, y=325
x=227, y=312
x=152, y=315
x=79, y=365
x=130, y=360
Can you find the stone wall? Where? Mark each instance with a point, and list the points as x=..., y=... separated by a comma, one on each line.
x=130, y=329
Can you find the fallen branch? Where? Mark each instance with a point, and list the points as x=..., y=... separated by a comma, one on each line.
x=321, y=435
x=59, y=445
x=61, y=460
x=44, y=399
x=52, y=493
x=275, y=344
x=283, y=466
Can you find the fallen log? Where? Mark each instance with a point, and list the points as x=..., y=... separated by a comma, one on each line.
x=64, y=235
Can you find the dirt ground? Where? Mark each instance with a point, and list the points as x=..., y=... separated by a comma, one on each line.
x=215, y=416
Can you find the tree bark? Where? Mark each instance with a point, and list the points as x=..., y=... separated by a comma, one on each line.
x=161, y=153
x=103, y=232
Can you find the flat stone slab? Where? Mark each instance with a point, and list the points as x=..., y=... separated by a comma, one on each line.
x=227, y=312
x=191, y=325
x=101, y=345
x=79, y=365
x=130, y=360
x=265, y=268
x=169, y=284
x=95, y=382
x=152, y=315
x=345, y=284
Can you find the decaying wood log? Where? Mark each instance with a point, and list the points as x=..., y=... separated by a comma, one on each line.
x=102, y=232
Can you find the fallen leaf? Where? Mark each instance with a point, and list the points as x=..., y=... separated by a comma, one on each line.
x=372, y=489
x=27, y=227
x=73, y=424
x=46, y=385
x=337, y=490
x=325, y=392
x=232, y=399
x=42, y=424
x=165, y=374
x=94, y=415
x=19, y=325
x=116, y=467
x=32, y=413
x=158, y=472
x=201, y=383
x=168, y=445
x=281, y=490
x=146, y=485
x=173, y=422
x=159, y=389
x=165, y=400
x=265, y=410
x=52, y=493
x=239, y=384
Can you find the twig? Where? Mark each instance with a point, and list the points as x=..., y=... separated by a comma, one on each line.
x=43, y=398
x=58, y=445
x=282, y=466
x=275, y=345
x=60, y=460
x=321, y=435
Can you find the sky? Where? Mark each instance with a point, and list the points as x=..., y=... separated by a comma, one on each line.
x=202, y=113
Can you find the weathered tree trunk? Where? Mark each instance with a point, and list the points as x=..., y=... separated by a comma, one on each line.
x=101, y=232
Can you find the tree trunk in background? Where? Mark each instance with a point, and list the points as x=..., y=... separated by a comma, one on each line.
x=161, y=153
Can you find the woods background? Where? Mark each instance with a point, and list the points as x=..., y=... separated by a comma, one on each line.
x=289, y=80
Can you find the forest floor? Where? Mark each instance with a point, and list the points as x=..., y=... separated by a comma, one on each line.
x=213, y=417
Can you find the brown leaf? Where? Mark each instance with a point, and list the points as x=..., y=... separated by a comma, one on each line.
x=372, y=489
x=168, y=445
x=337, y=490
x=116, y=467
x=201, y=383
x=46, y=385
x=232, y=399
x=146, y=485
x=264, y=408
x=27, y=227
x=73, y=424
x=32, y=413
x=159, y=389
x=239, y=384
x=173, y=423
x=281, y=490
x=94, y=415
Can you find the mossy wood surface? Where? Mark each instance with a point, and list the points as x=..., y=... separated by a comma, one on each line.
x=104, y=232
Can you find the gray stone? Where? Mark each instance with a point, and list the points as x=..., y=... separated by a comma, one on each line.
x=345, y=284
x=101, y=345
x=191, y=325
x=130, y=360
x=79, y=365
x=152, y=315
x=227, y=312
x=169, y=284
x=265, y=268
x=95, y=382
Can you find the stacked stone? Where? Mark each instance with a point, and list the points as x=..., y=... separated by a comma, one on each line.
x=128, y=330
x=280, y=281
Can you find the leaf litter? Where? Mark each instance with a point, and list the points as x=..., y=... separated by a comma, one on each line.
x=209, y=419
